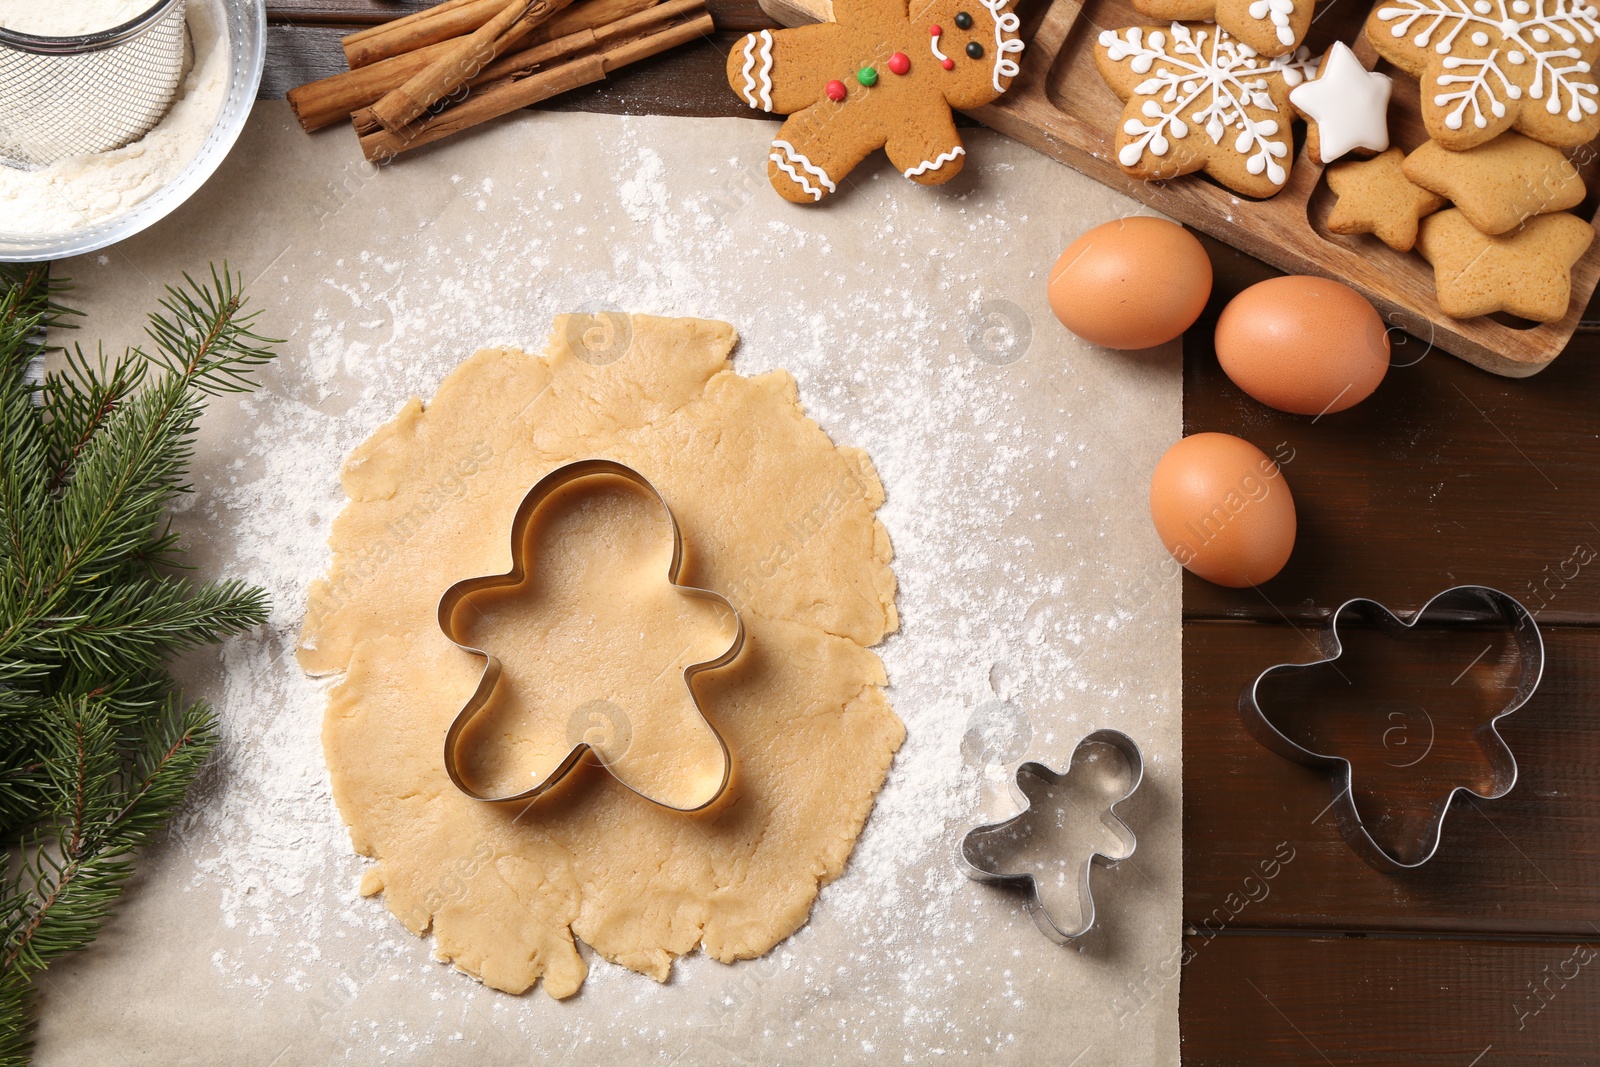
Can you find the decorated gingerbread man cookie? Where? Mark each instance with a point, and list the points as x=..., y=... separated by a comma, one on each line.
x=1490, y=65
x=879, y=77
x=1198, y=99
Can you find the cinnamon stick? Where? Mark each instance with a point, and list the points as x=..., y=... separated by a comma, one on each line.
x=445, y=75
x=412, y=19
x=329, y=100
x=442, y=23
x=601, y=38
x=507, y=94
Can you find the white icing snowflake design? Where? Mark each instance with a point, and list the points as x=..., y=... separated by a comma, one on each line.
x=1557, y=36
x=1224, y=76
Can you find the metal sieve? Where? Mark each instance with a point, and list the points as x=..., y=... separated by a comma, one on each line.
x=66, y=96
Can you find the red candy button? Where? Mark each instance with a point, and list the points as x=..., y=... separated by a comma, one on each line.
x=949, y=64
x=935, y=30
x=835, y=91
x=899, y=63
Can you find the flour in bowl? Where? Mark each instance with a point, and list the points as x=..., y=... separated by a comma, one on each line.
x=70, y=18
x=76, y=192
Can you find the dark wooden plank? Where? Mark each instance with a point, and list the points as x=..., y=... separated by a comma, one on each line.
x=1446, y=475
x=741, y=15
x=299, y=54
x=1382, y=1002
x=341, y=12
x=1528, y=863
x=684, y=81
x=687, y=81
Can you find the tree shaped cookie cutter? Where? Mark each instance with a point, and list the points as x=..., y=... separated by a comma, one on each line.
x=453, y=597
x=1459, y=604
x=974, y=865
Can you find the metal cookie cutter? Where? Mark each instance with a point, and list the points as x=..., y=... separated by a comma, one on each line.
x=546, y=486
x=970, y=858
x=1464, y=604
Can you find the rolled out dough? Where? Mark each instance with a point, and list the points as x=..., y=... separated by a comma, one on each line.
x=774, y=516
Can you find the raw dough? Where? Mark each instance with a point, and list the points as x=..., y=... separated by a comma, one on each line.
x=774, y=516
x=596, y=558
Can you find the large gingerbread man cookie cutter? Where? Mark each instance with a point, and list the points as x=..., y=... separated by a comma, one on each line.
x=454, y=596
x=884, y=75
x=1458, y=605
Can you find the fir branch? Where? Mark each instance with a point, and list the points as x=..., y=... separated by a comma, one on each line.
x=81, y=400
x=37, y=294
x=130, y=466
x=125, y=626
x=16, y=1041
x=97, y=750
x=102, y=817
x=207, y=341
x=23, y=497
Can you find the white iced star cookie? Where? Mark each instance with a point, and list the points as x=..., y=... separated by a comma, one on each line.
x=1346, y=108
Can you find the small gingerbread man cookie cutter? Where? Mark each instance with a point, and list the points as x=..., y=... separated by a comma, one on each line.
x=1461, y=604
x=454, y=596
x=969, y=853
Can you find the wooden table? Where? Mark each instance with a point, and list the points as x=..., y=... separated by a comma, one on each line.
x=1448, y=475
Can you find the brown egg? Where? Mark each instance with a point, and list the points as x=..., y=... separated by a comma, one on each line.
x=1133, y=283
x=1305, y=345
x=1223, y=509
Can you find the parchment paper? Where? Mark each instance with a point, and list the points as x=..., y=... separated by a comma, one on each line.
x=1036, y=601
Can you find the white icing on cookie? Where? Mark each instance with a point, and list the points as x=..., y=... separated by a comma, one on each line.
x=940, y=56
x=938, y=161
x=1349, y=104
x=786, y=163
x=1546, y=34
x=1278, y=11
x=763, y=77
x=1226, y=77
x=1006, y=25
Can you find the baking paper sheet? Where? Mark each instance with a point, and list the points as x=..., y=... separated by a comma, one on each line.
x=1036, y=601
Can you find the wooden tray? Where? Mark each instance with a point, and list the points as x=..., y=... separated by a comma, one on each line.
x=1060, y=106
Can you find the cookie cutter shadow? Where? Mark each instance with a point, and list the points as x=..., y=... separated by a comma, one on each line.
x=490, y=676
x=1459, y=605
x=976, y=865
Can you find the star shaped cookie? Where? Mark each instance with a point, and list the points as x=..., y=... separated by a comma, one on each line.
x=1528, y=272
x=1346, y=107
x=1500, y=183
x=1197, y=99
x=1376, y=197
x=1489, y=65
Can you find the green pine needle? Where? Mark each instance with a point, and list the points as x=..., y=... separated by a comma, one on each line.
x=97, y=748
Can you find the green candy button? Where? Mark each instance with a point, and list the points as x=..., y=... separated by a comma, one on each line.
x=867, y=76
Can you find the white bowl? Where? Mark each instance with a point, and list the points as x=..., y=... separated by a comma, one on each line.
x=246, y=22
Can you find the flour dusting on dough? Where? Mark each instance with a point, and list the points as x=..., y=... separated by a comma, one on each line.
x=775, y=518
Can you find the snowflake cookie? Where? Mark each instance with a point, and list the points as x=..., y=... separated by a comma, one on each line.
x=1198, y=99
x=1271, y=27
x=1489, y=65
x=880, y=76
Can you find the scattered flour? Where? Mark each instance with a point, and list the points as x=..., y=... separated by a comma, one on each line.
x=1015, y=509
x=81, y=190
